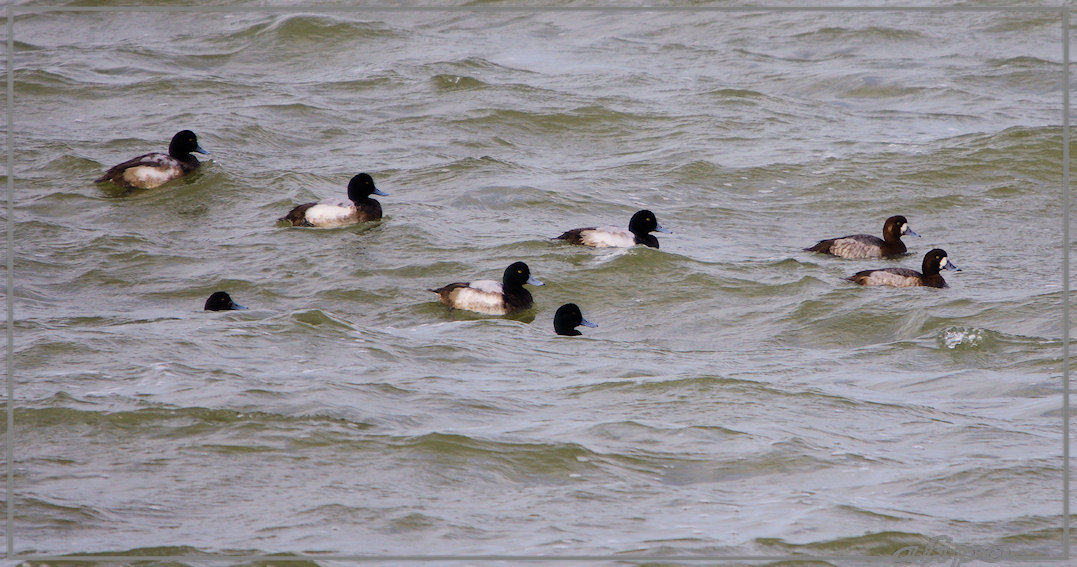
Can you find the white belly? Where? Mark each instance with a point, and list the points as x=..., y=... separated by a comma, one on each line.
x=332, y=213
x=608, y=237
x=482, y=296
x=146, y=177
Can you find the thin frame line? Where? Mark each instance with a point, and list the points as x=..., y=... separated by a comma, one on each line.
x=9, y=372
x=628, y=557
x=1065, y=281
x=1063, y=11
x=521, y=8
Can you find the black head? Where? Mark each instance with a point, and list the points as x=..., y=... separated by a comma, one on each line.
x=895, y=227
x=937, y=260
x=644, y=222
x=221, y=301
x=567, y=318
x=183, y=143
x=362, y=186
x=518, y=274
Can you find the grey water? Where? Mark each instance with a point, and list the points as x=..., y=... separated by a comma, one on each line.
x=738, y=397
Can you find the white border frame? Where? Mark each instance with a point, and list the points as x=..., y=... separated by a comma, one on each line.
x=10, y=12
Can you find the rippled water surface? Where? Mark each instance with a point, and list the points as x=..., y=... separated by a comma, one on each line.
x=738, y=397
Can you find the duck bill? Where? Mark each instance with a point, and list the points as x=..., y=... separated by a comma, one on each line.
x=199, y=149
x=534, y=281
x=661, y=228
x=236, y=306
x=950, y=266
x=911, y=232
x=380, y=192
x=587, y=323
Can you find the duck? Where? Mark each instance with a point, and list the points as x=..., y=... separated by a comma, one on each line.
x=934, y=261
x=155, y=168
x=567, y=318
x=221, y=301
x=358, y=207
x=859, y=246
x=640, y=227
x=491, y=297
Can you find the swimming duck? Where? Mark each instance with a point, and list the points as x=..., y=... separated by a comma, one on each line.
x=866, y=245
x=639, y=232
x=934, y=262
x=155, y=168
x=567, y=318
x=491, y=297
x=221, y=301
x=358, y=207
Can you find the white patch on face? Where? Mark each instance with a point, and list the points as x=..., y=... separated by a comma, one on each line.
x=943, y=262
x=904, y=227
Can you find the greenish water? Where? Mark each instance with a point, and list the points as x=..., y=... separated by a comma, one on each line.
x=738, y=397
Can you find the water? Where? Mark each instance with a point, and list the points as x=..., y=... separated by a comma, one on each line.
x=738, y=396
